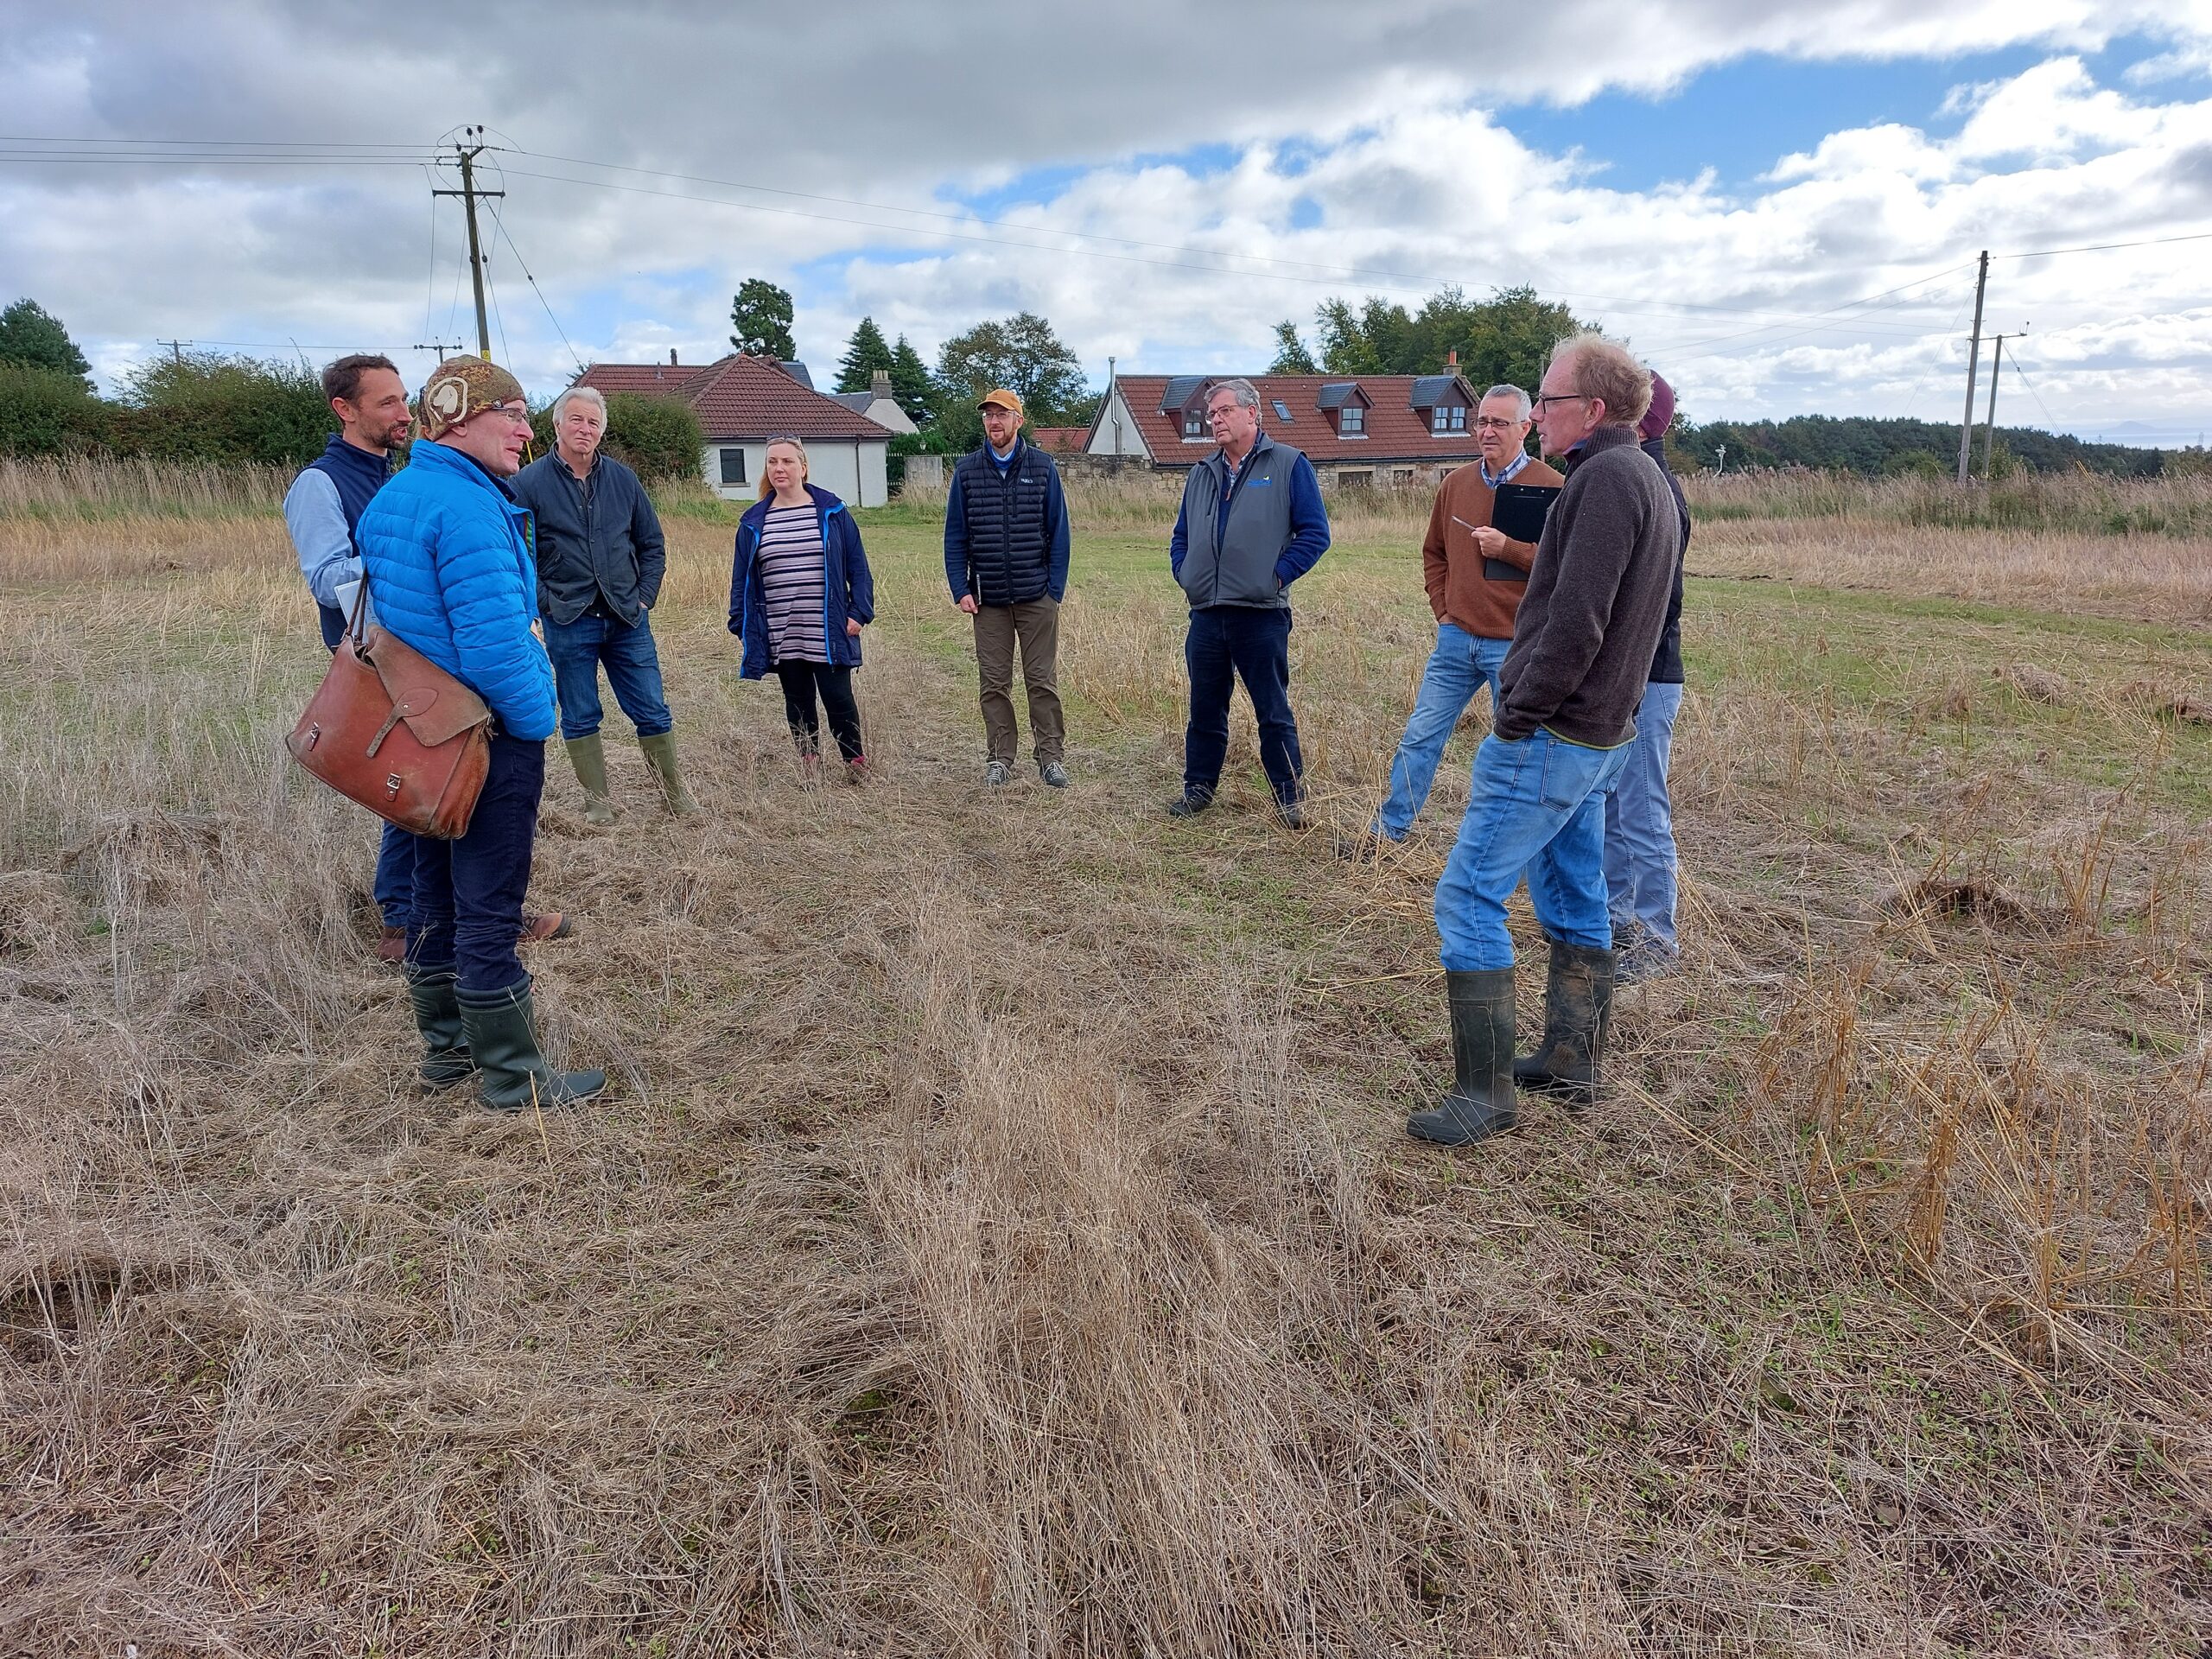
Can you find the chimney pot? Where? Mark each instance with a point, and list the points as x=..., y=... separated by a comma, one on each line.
x=671, y=357
x=1451, y=360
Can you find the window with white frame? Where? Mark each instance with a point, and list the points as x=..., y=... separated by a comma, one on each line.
x=1352, y=422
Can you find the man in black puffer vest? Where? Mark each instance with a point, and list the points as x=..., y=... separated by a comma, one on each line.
x=1006, y=561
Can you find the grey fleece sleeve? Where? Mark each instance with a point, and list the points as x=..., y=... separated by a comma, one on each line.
x=1593, y=549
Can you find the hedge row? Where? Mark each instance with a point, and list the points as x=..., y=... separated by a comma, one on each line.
x=227, y=410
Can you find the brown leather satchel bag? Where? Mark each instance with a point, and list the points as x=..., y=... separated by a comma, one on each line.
x=394, y=732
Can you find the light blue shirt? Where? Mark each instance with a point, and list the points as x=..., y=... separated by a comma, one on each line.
x=1493, y=480
x=320, y=539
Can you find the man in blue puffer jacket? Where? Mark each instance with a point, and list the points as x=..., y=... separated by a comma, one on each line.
x=447, y=557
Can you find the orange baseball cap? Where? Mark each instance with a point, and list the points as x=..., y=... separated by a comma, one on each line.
x=1003, y=399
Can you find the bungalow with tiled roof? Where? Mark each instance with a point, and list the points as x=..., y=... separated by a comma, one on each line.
x=1356, y=430
x=743, y=402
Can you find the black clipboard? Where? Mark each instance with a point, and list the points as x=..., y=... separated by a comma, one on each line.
x=1518, y=513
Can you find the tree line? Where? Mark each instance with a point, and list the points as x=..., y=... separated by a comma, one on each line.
x=205, y=406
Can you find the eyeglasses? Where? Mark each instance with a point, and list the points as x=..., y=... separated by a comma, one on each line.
x=1560, y=397
x=1487, y=423
x=520, y=417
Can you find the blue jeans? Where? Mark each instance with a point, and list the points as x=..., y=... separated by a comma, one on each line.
x=1228, y=643
x=1539, y=805
x=578, y=648
x=1640, y=826
x=394, y=887
x=1461, y=666
x=468, y=892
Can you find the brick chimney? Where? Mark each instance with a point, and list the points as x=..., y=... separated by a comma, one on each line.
x=878, y=384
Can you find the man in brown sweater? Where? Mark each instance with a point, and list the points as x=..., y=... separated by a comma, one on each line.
x=1475, y=575
x=1582, y=647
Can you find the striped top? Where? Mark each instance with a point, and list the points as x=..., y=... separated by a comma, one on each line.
x=792, y=566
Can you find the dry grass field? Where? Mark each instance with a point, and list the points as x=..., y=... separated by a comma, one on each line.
x=1001, y=1237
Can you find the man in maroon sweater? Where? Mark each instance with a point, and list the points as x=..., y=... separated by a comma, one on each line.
x=1582, y=647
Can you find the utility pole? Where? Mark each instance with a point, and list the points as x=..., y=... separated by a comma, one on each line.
x=1989, y=431
x=441, y=347
x=176, y=349
x=1973, y=364
x=468, y=148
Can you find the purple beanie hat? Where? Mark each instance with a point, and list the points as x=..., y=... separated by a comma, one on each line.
x=1661, y=415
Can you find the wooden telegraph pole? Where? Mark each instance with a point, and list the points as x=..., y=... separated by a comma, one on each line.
x=1989, y=428
x=468, y=148
x=1973, y=365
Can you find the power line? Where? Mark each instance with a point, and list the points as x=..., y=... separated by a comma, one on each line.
x=507, y=236
x=2107, y=247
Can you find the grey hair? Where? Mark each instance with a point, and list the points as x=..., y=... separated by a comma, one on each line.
x=583, y=394
x=1247, y=394
x=1520, y=404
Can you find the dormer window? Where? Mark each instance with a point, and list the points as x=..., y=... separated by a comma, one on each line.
x=1352, y=422
x=1447, y=418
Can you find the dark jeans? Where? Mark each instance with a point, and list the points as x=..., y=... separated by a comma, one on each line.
x=801, y=681
x=395, y=888
x=468, y=892
x=1228, y=643
x=578, y=648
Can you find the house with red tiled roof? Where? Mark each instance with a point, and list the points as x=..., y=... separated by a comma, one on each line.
x=742, y=402
x=1060, y=440
x=1363, y=429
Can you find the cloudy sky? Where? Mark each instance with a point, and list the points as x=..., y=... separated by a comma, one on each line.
x=1778, y=203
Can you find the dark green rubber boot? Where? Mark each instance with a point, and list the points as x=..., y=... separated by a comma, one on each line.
x=1578, y=1015
x=1481, y=1102
x=502, y=1029
x=446, y=1061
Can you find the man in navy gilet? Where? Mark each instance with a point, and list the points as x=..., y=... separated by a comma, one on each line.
x=320, y=510
x=1252, y=523
x=1005, y=560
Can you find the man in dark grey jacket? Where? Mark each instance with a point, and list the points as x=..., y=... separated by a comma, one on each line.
x=1582, y=647
x=1251, y=524
x=600, y=558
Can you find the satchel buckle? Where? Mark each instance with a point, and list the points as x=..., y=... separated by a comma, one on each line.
x=391, y=782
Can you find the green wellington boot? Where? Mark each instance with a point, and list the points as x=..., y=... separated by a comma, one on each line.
x=502, y=1030
x=1578, y=1015
x=1481, y=1102
x=588, y=756
x=660, y=755
x=446, y=1060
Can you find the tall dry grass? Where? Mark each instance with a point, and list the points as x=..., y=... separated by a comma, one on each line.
x=81, y=490
x=1002, y=1238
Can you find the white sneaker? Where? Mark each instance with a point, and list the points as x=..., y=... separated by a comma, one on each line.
x=997, y=772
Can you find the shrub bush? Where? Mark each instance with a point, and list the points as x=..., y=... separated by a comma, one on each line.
x=208, y=407
x=49, y=412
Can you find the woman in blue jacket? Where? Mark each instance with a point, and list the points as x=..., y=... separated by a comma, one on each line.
x=799, y=593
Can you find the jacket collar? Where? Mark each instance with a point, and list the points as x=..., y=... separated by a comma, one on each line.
x=445, y=457
x=823, y=503
x=342, y=454
x=1260, y=441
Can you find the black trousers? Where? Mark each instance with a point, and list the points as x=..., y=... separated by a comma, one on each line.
x=801, y=681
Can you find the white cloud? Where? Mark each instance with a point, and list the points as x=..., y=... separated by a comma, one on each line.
x=1359, y=155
